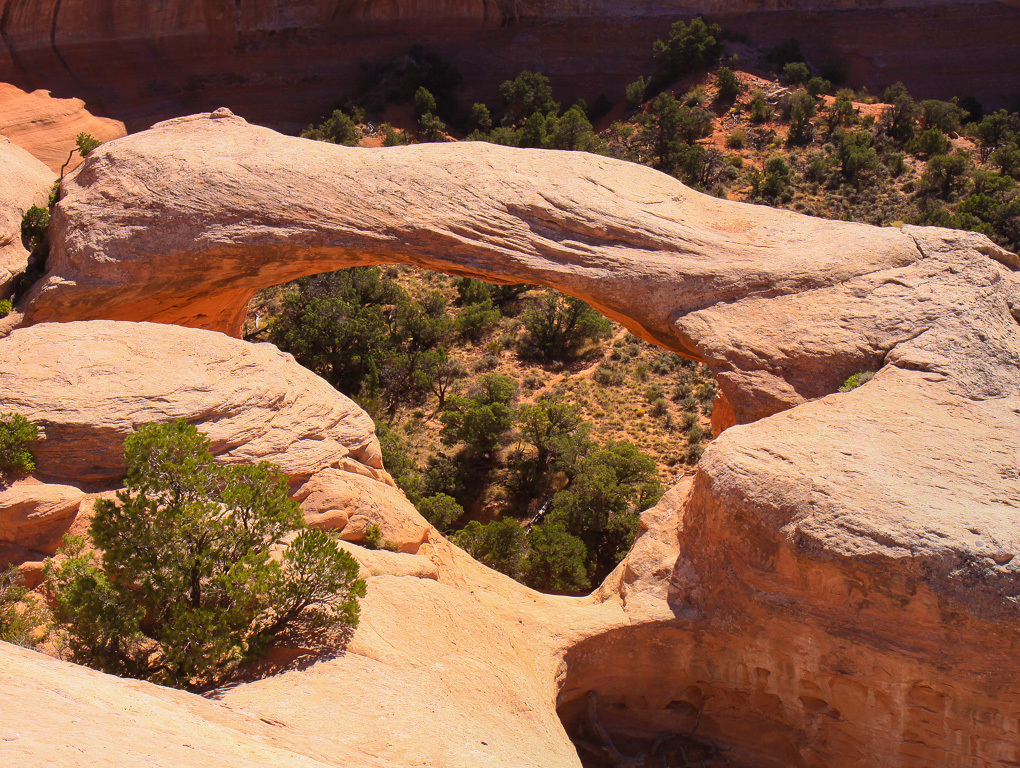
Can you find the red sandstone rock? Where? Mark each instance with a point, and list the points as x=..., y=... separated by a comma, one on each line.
x=836, y=586
x=89, y=385
x=284, y=65
x=47, y=127
x=36, y=515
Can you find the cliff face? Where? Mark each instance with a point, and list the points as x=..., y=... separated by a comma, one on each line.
x=284, y=62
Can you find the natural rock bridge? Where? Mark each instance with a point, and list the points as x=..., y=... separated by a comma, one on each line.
x=837, y=586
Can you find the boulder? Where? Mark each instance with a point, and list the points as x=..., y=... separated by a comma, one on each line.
x=339, y=499
x=88, y=385
x=36, y=515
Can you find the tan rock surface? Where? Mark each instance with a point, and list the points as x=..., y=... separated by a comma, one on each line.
x=47, y=127
x=89, y=385
x=24, y=182
x=59, y=714
x=334, y=499
x=36, y=515
x=182, y=223
x=837, y=585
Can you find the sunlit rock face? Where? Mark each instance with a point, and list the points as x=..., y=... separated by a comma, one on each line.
x=835, y=587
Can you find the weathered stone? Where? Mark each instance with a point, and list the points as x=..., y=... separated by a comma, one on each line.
x=36, y=515
x=24, y=182
x=835, y=587
x=88, y=385
x=47, y=127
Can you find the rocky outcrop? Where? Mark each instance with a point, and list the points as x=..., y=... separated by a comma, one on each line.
x=836, y=586
x=286, y=64
x=88, y=385
x=35, y=515
x=24, y=182
x=47, y=127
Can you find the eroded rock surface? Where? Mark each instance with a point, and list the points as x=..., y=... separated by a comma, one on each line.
x=89, y=385
x=24, y=182
x=837, y=585
x=182, y=223
x=46, y=127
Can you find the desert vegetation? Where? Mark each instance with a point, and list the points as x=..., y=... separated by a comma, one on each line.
x=200, y=567
x=779, y=132
x=519, y=421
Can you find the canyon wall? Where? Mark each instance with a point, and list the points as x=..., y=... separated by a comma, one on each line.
x=285, y=63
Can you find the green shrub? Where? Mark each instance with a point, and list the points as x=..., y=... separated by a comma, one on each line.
x=930, y=143
x=476, y=320
x=555, y=560
x=559, y=327
x=16, y=432
x=481, y=419
x=338, y=128
x=5, y=308
x=373, y=537
x=392, y=137
x=727, y=84
x=499, y=544
x=34, y=224
x=690, y=47
x=856, y=380
x=440, y=510
x=187, y=588
x=736, y=139
x=21, y=622
x=607, y=376
x=760, y=110
x=635, y=92
x=795, y=73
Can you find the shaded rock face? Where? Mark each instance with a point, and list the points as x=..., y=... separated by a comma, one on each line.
x=284, y=63
x=837, y=585
x=24, y=182
x=47, y=127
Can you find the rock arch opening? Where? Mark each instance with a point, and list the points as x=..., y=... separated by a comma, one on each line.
x=182, y=223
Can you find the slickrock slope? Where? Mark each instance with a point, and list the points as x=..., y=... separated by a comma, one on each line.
x=127, y=723
x=285, y=64
x=47, y=127
x=88, y=385
x=24, y=182
x=837, y=586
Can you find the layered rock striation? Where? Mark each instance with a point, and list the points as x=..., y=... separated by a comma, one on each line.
x=837, y=586
x=87, y=386
x=285, y=64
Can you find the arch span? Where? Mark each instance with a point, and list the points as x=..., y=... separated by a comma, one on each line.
x=183, y=222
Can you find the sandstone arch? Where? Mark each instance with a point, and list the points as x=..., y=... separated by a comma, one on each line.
x=857, y=548
x=182, y=223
